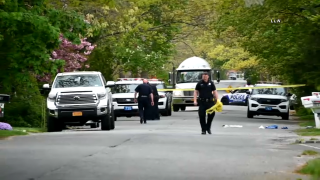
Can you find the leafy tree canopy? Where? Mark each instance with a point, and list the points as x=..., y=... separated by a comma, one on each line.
x=31, y=34
x=289, y=49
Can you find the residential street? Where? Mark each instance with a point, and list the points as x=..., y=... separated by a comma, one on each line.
x=72, y=63
x=171, y=148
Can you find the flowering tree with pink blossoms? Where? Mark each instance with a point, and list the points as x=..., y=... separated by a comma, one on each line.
x=74, y=56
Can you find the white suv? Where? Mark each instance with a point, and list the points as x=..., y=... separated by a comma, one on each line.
x=269, y=102
x=77, y=97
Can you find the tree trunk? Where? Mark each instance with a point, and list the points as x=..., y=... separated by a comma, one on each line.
x=144, y=74
x=135, y=72
x=121, y=73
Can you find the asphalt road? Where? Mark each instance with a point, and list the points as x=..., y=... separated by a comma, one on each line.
x=171, y=149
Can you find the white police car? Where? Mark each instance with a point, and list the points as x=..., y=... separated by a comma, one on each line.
x=123, y=97
x=236, y=97
x=269, y=102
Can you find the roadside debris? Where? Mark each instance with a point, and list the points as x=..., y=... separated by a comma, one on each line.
x=272, y=127
x=234, y=126
x=309, y=127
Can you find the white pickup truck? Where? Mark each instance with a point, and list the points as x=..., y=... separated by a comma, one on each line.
x=78, y=97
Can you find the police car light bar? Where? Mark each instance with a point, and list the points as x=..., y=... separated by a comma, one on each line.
x=154, y=79
x=129, y=79
x=137, y=79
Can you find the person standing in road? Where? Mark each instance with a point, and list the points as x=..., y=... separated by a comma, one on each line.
x=249, y=85
x=145, y=94
x=206, y=95
x=155, y=109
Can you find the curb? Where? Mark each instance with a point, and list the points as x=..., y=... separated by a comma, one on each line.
x=307, y=142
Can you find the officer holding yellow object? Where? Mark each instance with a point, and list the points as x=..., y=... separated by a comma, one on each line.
x=206, y=96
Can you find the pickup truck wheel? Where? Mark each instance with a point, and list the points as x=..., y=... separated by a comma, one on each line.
x=94, y=125
x=112, y=126
x=166, y=111
x=183, y=108
x=176, y=108
x=112, y=120
x=105, y=122
x=54, y=124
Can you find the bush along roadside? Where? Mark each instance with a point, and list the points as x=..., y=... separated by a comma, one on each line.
x=6, y=130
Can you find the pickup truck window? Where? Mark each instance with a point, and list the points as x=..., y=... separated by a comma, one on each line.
x=86, y=80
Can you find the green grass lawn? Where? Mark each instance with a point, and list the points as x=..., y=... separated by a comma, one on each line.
x=311, y=168
x=6, y=133
x=307, y=117
x=308, y=132
x=307, y=123
x=30, y=130
x=19, y=131
x=307, y=120
x=310, y=152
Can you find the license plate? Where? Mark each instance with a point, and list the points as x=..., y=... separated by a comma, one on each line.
x=268, y=108
x=77, y=114
x=127, y=108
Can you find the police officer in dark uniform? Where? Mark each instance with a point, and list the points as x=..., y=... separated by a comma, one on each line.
x=155, y=109
x=248, y=82
x=145, y=94
x=204, y=94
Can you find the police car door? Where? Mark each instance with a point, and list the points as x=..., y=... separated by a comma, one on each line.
x=238, y=96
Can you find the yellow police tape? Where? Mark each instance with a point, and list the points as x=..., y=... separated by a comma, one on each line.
x=257, y=87
x=216, y=108
x=228, y=91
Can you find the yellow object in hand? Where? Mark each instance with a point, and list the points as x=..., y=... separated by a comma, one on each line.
x=216, y=108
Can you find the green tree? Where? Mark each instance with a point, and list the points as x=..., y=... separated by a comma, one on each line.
x=289, y=49
x=31, y=33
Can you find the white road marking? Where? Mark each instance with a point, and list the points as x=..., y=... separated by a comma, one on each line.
x=310, y=146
